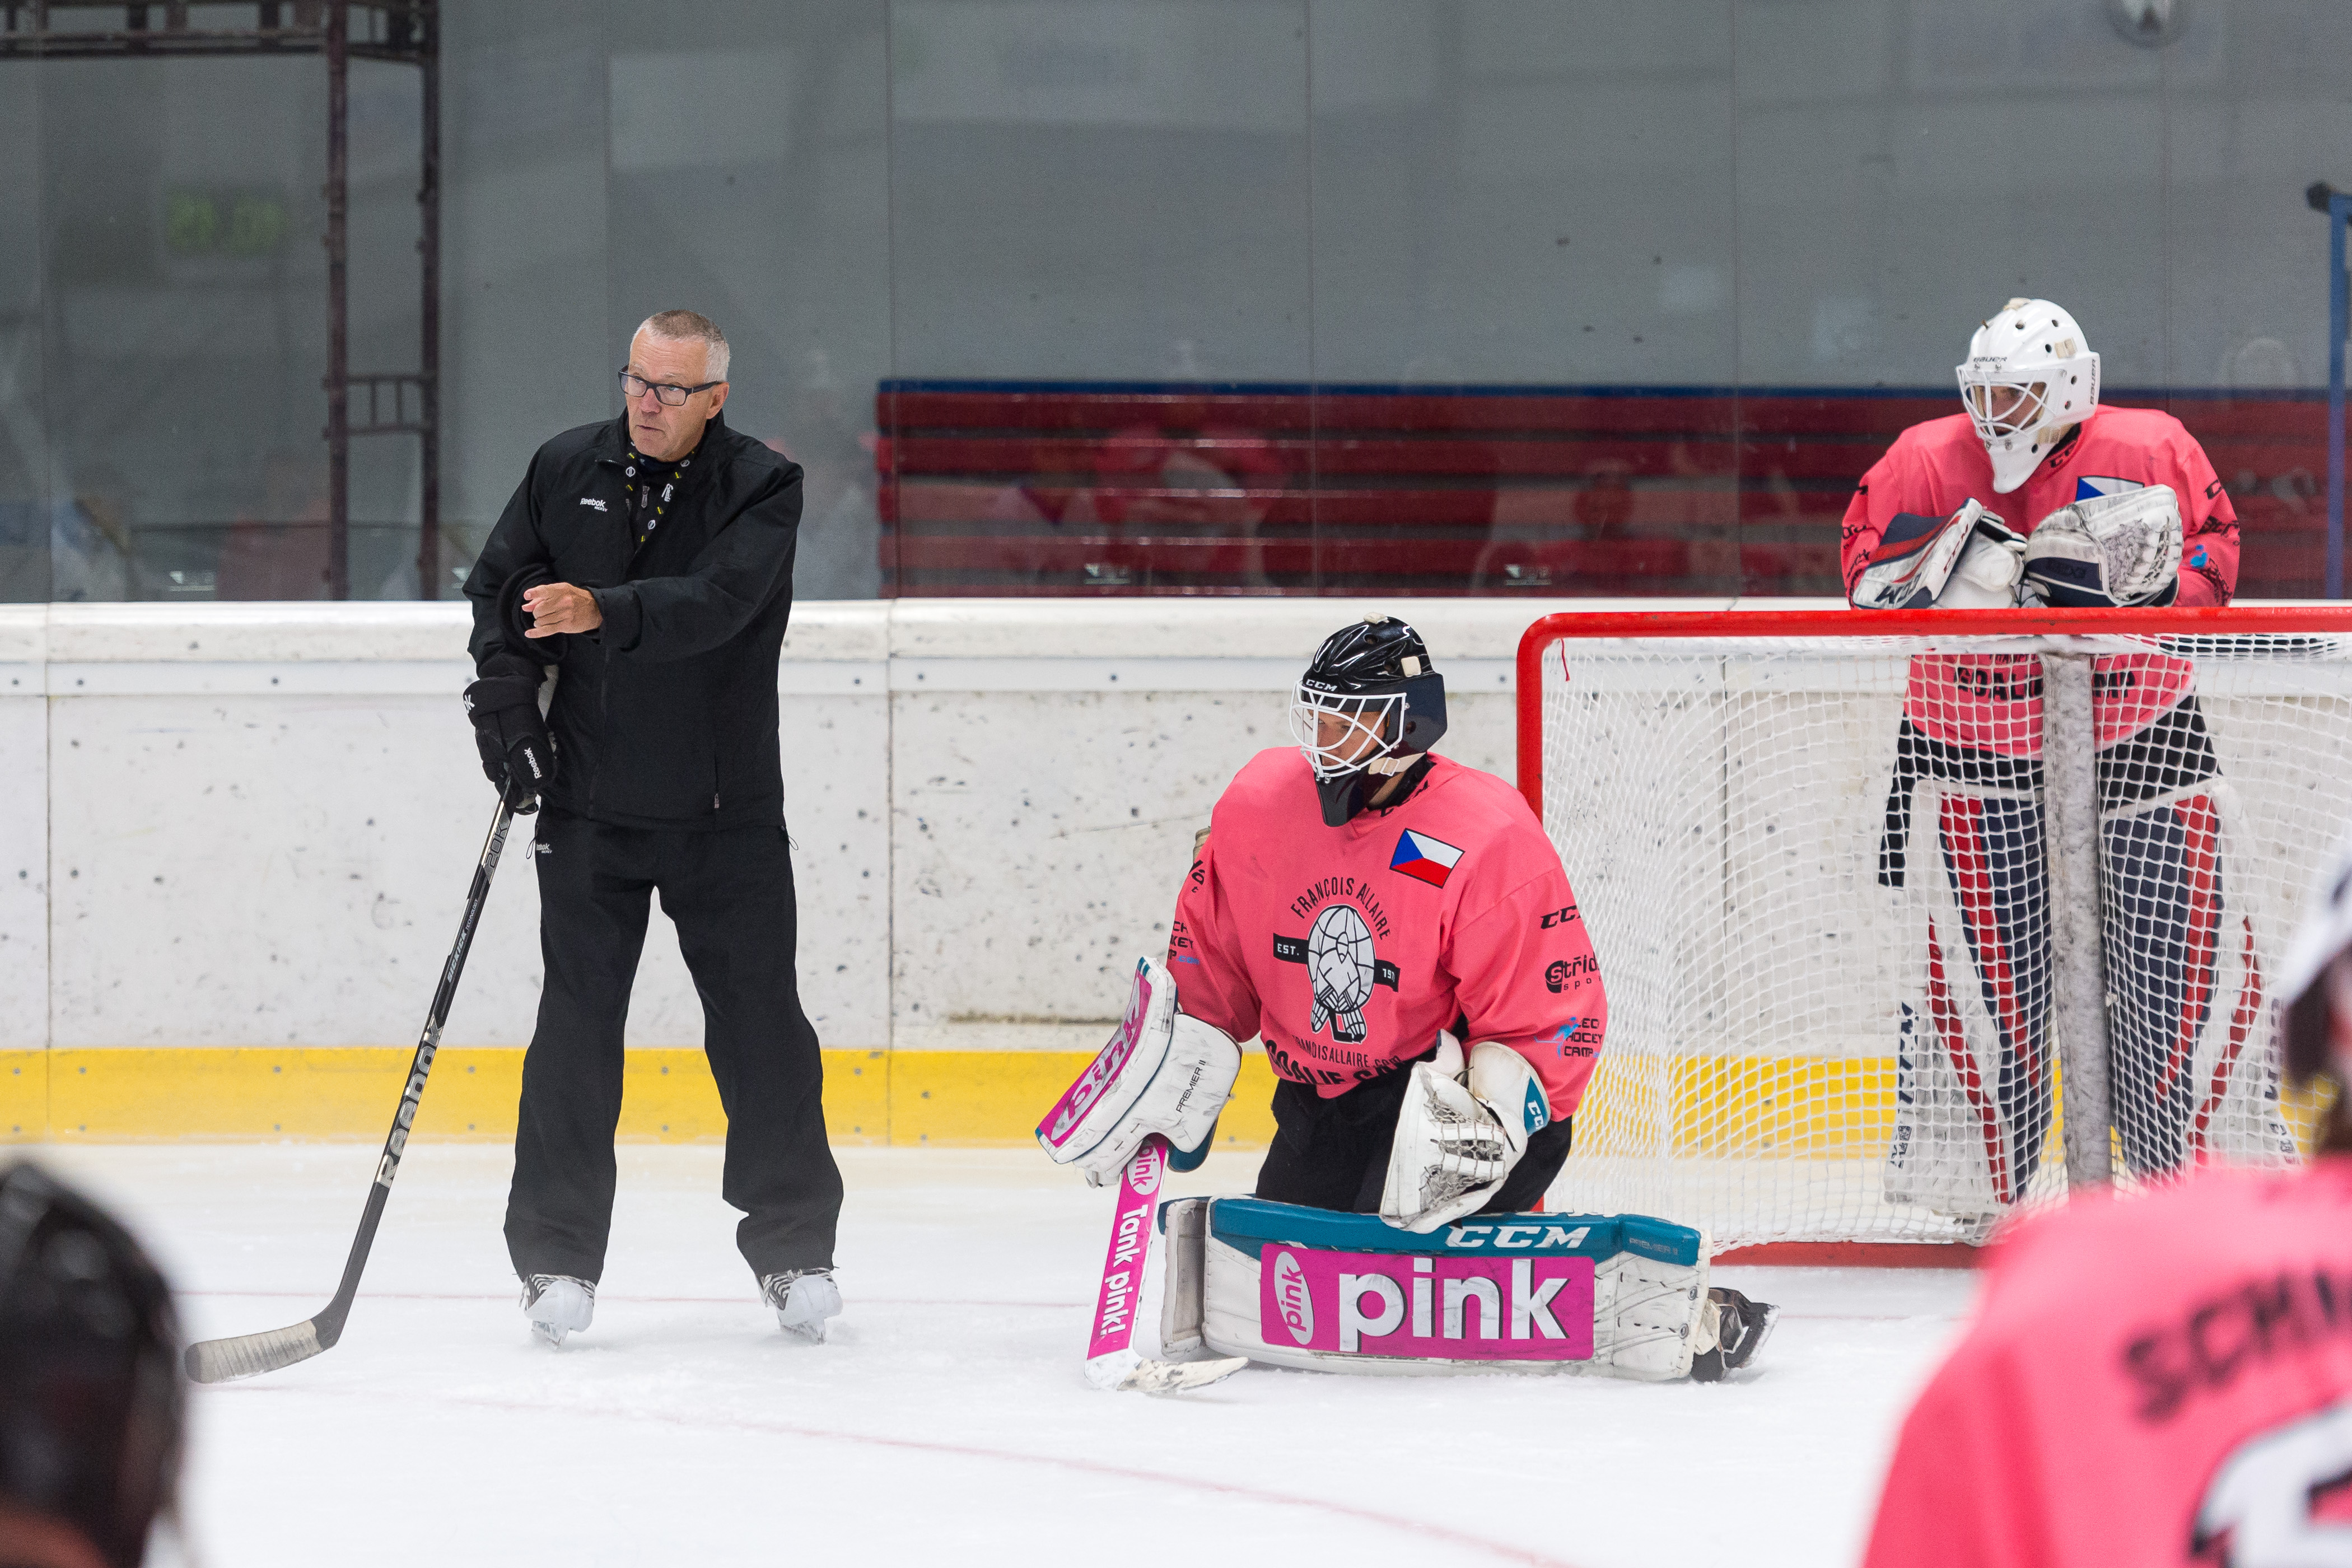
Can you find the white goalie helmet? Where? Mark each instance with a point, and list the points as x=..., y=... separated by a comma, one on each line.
x=2030, y=379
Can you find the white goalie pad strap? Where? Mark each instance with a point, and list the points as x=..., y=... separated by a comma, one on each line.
x=1967, y=1129
x=1619, y=1296
x=2119, y=549
x=1915, y=558
x=1160, y=1072
x=1458, y=1138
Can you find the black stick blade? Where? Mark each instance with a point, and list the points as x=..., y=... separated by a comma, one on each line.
x=250, y=1355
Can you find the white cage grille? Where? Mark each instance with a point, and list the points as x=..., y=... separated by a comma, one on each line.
x=1794, y=988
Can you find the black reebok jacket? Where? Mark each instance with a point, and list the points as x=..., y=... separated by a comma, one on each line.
x=665, y=715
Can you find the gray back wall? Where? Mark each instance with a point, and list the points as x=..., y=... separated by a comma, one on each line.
x=1757, y=193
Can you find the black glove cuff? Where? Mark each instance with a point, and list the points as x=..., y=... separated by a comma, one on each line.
x=501, y=694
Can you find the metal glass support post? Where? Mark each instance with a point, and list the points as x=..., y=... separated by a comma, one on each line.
x=428, y=248
x=339, y=361
x=2338, y=208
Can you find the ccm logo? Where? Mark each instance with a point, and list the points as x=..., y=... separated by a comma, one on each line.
x=1557, y=918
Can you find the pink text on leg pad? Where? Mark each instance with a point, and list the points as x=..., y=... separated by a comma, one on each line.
x=1130, y=1244
x=1425, y=1304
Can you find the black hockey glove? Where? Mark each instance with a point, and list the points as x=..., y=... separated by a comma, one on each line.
x=517, y=753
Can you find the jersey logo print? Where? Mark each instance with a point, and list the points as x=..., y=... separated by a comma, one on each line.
x=1425, y=858
x=1342, y=968
x=2091, y=485
x=2258, y=1510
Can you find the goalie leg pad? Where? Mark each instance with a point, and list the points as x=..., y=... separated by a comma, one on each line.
x=1161, y=1072
x=1972, y=1082
x=2189, y=1080
x=1621, y=1296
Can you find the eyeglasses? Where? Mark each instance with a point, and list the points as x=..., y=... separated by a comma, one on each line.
x=636, y=386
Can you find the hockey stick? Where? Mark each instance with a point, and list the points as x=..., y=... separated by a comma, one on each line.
x=218, y=1361
x=1110, y=1363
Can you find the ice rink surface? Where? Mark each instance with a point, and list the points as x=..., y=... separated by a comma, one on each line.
x=946, y=1419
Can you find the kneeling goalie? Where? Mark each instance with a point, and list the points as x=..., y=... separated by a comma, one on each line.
x=1399, y=930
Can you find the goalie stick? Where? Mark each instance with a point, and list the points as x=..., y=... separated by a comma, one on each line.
x=247, y=1356
x=1111, y=1364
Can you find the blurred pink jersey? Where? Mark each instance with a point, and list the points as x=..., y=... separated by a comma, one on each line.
x=2159, y=1380
x=1349, y=948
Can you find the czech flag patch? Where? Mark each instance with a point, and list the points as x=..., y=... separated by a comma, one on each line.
x=1430, y=861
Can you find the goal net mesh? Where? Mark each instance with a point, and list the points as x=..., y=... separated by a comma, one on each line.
x=1814, y=871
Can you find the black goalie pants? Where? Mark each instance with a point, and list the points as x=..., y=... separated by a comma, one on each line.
x=730, y=893
x=1334, y=1153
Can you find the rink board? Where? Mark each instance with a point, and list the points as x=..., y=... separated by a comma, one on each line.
x=958, y=1099
x=1745, y=1107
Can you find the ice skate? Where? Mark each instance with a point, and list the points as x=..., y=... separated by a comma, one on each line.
x=557, y=1305
x=803, y=1298
x=1741, y=1327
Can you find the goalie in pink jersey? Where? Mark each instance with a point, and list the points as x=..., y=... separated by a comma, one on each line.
x=2036, y=495
x=1399, y=931
x=2165, y=1379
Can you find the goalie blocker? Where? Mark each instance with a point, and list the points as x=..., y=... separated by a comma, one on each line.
x=1621, y=1296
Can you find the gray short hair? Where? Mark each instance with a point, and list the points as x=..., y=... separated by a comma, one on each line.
x=688, y=326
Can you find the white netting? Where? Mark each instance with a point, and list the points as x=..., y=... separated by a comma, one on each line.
x=1813, y=872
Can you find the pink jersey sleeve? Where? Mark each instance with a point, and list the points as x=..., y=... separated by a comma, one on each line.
x=1884, y=494
x=1526, y=977
x=2209, y=525
x=1211, y=983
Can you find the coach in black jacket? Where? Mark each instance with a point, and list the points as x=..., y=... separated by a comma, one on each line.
x=650, y=560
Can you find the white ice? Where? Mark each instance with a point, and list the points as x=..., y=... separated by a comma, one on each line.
x=945, y=1420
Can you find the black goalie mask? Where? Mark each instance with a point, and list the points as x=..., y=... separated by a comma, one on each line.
x=1368, y=702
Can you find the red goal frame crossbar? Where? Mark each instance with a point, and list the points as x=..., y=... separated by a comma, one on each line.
x=1684, y=626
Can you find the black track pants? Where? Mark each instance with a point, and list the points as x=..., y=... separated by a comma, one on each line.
x=1334, y=1153
x=730, y=893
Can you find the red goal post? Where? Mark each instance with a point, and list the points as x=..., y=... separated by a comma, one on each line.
x=1723, y=788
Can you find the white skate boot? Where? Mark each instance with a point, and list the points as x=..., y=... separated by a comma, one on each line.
x=803, y=1298
x=557, y=1305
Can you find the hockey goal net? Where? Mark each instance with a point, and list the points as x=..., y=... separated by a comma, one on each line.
x=1882, y=901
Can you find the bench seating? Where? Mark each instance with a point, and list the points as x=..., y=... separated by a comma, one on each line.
x=1013, y=487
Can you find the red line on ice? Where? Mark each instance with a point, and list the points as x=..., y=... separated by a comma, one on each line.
x=1497, y=1549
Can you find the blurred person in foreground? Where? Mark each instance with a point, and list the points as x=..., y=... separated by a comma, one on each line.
x=92, y=1401
x=649, y=558
x=2167, y=1378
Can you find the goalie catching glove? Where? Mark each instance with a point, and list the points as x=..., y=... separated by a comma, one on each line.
x=1460, y=1134
x=1968, y=561
x=2106, y=551
x=1162, y=1072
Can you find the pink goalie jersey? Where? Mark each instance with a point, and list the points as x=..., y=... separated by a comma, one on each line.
x=1992, y=702
x=2162, y=1380
x=1349, y=948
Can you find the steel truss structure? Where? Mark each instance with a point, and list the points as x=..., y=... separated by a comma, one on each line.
x=397, y=32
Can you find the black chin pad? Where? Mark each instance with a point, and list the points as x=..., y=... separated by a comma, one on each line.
x=515, y=621
x=1342, y=797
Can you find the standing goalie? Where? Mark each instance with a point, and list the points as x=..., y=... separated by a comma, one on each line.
x=2035, y=495
x=1399, y=930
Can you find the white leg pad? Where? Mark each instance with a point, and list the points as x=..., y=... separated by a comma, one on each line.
x=1650, y=1314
